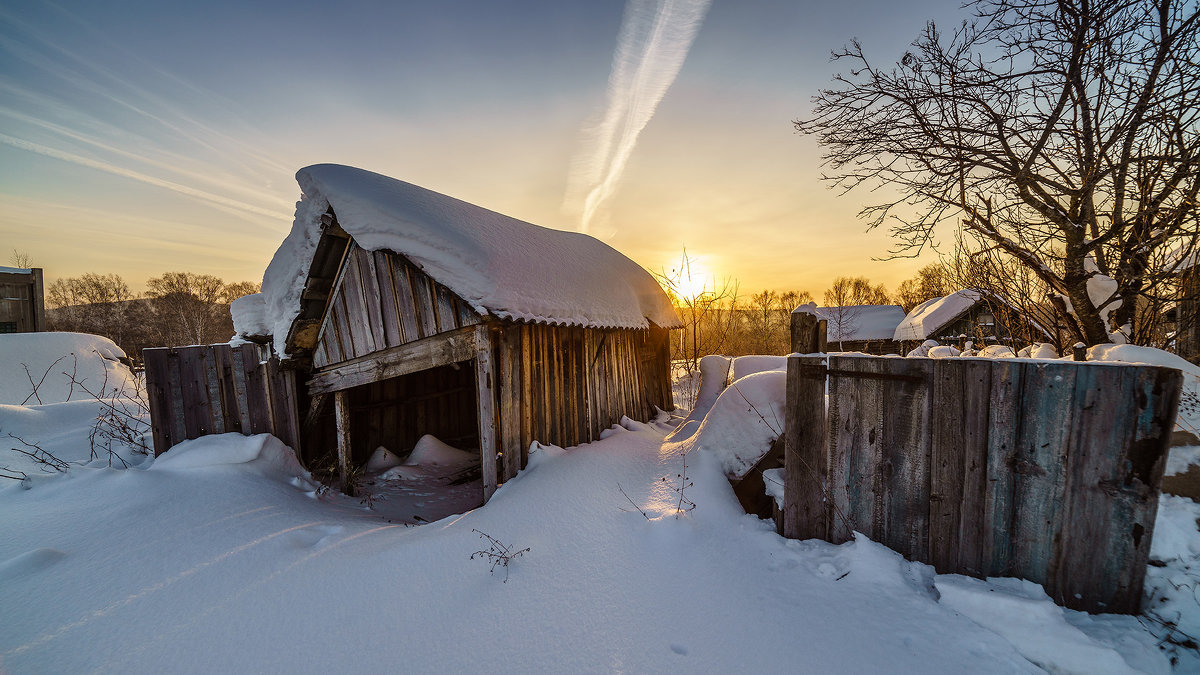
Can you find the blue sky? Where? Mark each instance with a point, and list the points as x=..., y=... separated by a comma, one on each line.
x=143, y=137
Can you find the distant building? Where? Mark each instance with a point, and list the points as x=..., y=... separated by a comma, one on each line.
x=966, y=315
x=22, y=300
x=862, y=328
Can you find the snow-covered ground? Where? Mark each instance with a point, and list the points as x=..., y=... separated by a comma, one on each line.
x=224, y=556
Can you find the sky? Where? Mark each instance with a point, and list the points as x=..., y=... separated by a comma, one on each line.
x=141, y=137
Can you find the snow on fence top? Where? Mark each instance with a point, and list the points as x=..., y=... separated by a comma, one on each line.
x=499, y=265
x=933, y=314
x=861, y=322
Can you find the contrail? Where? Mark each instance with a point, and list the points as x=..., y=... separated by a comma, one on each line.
x=209, y=197
x=653, y=42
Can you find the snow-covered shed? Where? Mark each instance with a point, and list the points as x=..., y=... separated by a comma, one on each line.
x=977, y=315
x=22, y=300
x=419, y=313
x=862, y=328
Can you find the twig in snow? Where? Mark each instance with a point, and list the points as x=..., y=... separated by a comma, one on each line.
x=38, y=455
x=498, y=553
x=36, y=385
x=644, y=515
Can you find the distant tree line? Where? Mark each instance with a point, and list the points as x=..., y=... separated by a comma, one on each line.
x=178, y=308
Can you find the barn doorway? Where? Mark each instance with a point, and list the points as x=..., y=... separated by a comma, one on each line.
x=414, y=444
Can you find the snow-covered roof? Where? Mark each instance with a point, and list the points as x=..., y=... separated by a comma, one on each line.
x=16, y=270
x=861, y=322
x=931, y=315
x=499, y=265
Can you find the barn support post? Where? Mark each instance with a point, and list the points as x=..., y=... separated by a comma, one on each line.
x=485, y=380
x=341, y=412
x=808, y=333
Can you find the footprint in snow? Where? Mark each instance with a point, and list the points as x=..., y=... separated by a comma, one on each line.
x=29, y=562
x=314, y=537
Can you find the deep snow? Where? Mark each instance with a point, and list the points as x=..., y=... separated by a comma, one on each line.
x=223, y=555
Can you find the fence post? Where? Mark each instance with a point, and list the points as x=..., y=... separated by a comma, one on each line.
x=808, y=331
x=806, y=462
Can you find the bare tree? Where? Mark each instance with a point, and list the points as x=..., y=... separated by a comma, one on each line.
x=931, y=281
x=190, y=308
x=20, y=259
x=843, y=302
x=1063, y=134
x=709, y=310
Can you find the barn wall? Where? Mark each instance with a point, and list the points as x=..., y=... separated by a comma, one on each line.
x=381, y=300
x=563, y=385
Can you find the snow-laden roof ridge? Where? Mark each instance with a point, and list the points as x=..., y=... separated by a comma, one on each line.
x=497, y=264
x=861, y=322
x=934, y=313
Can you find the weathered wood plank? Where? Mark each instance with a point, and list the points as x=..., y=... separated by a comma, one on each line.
x=977, y=383
x=527, y=392
x=905, y=450
x=1048, y=406
x=946, y=466
x=403, y=283
x=425, y=298
x=216, y=407
x=485, y=379
x=389, y=311
x=1003, y=423
x=341, y=413
x=806, y=466
x=195, y=393
x=440, y=350
x=509, y=373
x=373, y=296
x=159, y=394
x=447, y=316
x=257, y=389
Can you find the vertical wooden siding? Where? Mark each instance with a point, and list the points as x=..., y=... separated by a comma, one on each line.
x=563, y=385
x=215, y=389
x=1045, y=471
x=381, y=300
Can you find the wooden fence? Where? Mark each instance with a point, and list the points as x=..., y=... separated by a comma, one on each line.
x=214, y=389
x=1047, y=471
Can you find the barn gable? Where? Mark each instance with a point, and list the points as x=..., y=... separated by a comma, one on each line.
x=381, y=300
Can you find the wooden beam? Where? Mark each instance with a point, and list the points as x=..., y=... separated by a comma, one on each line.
x=485, y=384
x=341, y=411
x=431, y=352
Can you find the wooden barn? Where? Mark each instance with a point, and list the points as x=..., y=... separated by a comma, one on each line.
x=972, y=315
x=404, y=312
x=22, y=300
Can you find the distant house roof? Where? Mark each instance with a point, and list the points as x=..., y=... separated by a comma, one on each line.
x=499, y=265
x=861, y=322
x=929, y=317
x=926, y=318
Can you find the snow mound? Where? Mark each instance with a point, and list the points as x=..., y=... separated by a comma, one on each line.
x=739, y=429
x=432, y=452
x=263, y=451
x=1021, y=612
x=997, y=352
x=52, y=359
x=748, y=365
x=714, y=377
x=499, y=265
x=382, y=460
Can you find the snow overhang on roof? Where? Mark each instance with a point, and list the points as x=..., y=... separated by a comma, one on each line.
x=499, y=265
x=926, y=318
